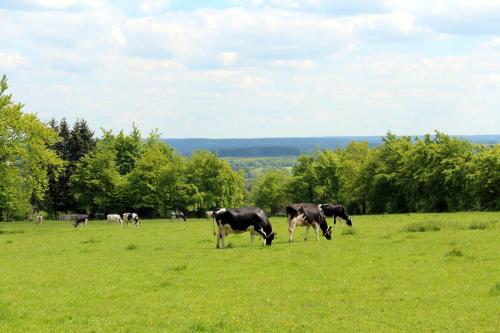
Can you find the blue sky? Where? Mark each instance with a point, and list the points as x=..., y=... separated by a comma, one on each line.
x=257, y=68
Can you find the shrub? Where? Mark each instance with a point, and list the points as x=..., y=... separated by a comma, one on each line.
x=422, y=227
x=478, y=225
x=455, y=253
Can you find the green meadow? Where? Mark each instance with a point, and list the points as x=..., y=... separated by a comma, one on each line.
x=411, y=272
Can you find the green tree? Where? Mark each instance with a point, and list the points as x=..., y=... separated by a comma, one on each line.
x=351, y=162
x=302, y=187
x=25, y=156
x=217, y=185
x=270, y=190
x=96, y=181
x=153, y=183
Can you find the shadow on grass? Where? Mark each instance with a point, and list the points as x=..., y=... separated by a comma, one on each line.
x=91, y=241
x=11, y=232
x=131, y=247
x=348, y=231
x=177, y=268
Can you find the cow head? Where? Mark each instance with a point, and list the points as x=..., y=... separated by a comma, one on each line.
x=269, y=239
x=328, y=233
x=349, y=221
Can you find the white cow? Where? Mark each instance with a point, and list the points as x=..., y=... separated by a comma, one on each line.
x=114, y=218
x=39, y=219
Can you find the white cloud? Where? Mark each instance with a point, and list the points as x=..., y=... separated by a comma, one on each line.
x=10, y=60
x=154, y=6
x=298, y=66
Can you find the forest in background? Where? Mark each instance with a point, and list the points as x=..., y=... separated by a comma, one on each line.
x=58, y=167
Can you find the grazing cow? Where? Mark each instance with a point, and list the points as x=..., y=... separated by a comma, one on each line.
x=131, y=217
x=336, y=211
x=39, y=219
x=239, y=220
x=114, y=218
x=80, y=220
x=306, y=214
x=179, y=215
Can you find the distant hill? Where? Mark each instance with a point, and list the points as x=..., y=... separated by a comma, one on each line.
x=268, y=147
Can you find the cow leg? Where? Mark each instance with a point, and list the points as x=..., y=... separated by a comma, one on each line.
x=291, y=227
x=307, y=232
x=252, y=237
x=316, y=229
x=220, y=236
x=290, y=233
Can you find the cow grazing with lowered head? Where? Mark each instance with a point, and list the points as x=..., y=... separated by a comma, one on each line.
x=336, y=211
x=239, y=220
x=308, y=215
x=179, y=215
x=131, y=217
x=114, y=218
x=82, y=220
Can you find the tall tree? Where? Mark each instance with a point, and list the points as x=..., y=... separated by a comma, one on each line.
x=24, y=156
x=96, y=181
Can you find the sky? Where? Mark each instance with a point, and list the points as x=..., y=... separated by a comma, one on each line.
x=257, y=68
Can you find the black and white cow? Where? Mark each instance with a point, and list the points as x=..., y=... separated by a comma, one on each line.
x=179, y=215
x=239, y=220
x=80, y=220
x=131, y=217
x=39, y=220
x=336, y=211
x=308, y=215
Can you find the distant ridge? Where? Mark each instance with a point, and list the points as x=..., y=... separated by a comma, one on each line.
x=268, y=147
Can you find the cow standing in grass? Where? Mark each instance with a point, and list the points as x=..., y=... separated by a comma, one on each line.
x=131, y=217
x=114, y=218
x=39, y=220
x=82, y=220
x=336, y=211
x=308, y=215
x=239, y=220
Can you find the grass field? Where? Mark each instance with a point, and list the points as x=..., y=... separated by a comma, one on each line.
x=418, y=272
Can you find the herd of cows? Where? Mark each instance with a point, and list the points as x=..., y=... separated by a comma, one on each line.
x=251, y=219
x=255, y=221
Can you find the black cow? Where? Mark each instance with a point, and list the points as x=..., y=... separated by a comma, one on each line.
x=306, y=214
x=336, y=211
x=238, y=220
x=80, y=220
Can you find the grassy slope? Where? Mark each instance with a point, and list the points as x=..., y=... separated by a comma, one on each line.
x=168, y=276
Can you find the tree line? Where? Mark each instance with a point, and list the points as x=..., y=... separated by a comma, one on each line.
x=435, y=173
x=59, y=167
